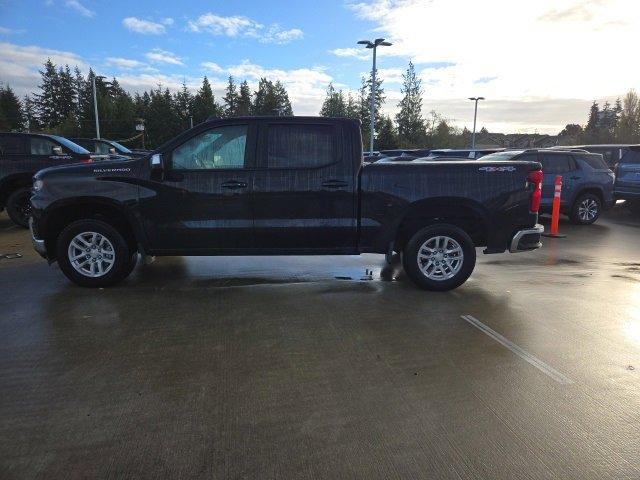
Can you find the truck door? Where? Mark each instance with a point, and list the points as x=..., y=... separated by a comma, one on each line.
x=304, y=189
x=204, y=201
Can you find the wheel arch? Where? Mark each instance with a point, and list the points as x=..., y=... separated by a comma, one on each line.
x=469, y=215
x=60, y=214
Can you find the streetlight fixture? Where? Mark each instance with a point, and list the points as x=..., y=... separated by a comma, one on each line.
x=95, y=103
x=378, y=42
x=475, y=115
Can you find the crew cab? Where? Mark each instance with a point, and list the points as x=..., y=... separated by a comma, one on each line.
x=21, y=156
x=282, y=186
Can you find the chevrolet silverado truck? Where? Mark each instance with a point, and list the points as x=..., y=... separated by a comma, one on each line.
x=282, y=186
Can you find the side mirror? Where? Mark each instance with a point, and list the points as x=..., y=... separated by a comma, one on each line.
x=157, y=170
x=112, y=151
x=56, y=150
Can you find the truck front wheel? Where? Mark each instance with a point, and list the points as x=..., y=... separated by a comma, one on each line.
x=19, y=206
x=92, y=253
x=439, y=257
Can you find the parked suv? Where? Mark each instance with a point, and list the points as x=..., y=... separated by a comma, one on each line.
x=587, y=181
x=611, y=153
x=628, y=178
x=21, y=156
x=101, y=146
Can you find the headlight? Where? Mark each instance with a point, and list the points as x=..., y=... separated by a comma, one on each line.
x=37, y=185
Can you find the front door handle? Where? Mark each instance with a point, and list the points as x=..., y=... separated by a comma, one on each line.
x=334, y=184
x=233, y=184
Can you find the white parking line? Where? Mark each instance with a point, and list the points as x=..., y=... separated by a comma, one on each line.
x=526, y=356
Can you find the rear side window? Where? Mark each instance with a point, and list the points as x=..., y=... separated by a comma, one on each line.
x=527, y=157
x=41, y=146
x=300, y=146
x=631, y=157
x=102, y=148
x=594, y=161
x=556, y=164
x=12, y=144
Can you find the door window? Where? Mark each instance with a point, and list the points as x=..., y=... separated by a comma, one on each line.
x=42, y=146
x=12, y=144
x=300, y=146
x=102, y=148
x=222, y=147
x=557, y=164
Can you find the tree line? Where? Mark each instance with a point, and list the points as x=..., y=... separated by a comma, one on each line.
x=409, y=129
x=617, y=123
x=64, y=105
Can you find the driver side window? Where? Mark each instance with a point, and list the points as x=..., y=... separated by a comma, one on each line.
x=222, y=147
x=41, y=146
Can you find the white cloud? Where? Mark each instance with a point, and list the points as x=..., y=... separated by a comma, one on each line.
x=11, y=31
x=167, y=21
x=19, y=64
x=359, y=53
x=158, y=55
x=212, y=67
x=558, y=50
x=124, y=62
x=144, y=26
x=80, y=8
x=241, y=26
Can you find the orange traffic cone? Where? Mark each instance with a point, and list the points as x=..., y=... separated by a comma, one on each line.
x=555, y=212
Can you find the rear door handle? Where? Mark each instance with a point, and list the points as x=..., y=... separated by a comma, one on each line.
x=233, y=184
x=334, y=184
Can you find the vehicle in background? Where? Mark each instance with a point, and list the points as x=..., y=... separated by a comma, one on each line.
x=415, y=152
x=587, y=181
x=398, y=158
x=101, y=146
x=627, y=171
x=282, y=186
x=21, y=156
x=461, y=154
x=611, y=153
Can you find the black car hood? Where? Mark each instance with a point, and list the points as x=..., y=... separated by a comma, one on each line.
x=106, y=168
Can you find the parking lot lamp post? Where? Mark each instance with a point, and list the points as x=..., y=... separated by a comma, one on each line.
x=373, y=45
x=95, y=104
x=475, y=115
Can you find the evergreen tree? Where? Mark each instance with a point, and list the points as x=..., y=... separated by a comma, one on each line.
x=204, y=103
x=387, y=136
x=183, y=101
x=351, y=107
x=46, y=101
x=11, y=113
x=283, y=103
x=31, y=123
x=243, y=107
x=334, y=104
x=411, y=128
x=231, y=99
x=162, y=121
x=591, y=129
x=66, y=98
x=364, y=106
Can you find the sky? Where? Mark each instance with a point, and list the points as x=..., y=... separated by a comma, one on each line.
x=538, y=63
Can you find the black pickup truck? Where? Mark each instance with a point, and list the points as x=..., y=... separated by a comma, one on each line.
x=282, y=186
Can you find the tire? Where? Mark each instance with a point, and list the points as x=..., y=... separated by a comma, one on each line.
x=435, y=277
x=19, y=206
x=112, y=256
x=586, y=209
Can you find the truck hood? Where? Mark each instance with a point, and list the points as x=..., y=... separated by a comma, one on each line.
x=107, y=168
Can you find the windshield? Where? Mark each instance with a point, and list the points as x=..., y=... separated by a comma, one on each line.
x=120, y=148
x=74, y=147
x=502, y=156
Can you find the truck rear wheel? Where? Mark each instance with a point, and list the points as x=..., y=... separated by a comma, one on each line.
x=92, y=253
x=439, y=257
x=19, y=206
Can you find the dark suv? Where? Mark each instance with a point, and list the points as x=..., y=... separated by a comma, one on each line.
x=587, y=181
x=628, y=178
x=21, y=156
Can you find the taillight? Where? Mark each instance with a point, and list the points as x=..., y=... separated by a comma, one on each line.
x=535, y=177
x=85, y=158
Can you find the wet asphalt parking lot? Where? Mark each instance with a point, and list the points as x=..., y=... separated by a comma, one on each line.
x=326, y=367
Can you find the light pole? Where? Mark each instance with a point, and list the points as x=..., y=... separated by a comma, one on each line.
x=373, y=45
x=475, y=115
x=95, y=104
